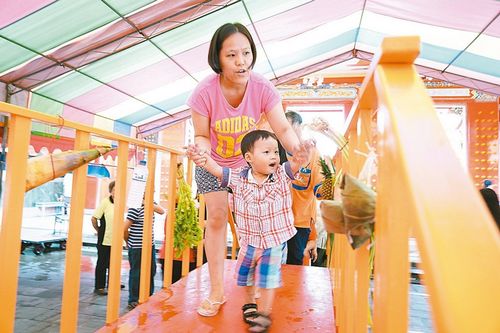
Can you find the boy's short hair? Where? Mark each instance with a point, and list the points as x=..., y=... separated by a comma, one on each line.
x=293, y=117
x=220, y=36
x=111, y=186
x=253, y=136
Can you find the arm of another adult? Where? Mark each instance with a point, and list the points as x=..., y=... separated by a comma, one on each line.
x=98, y=213
x=159, y=209
x=310, y=249
x=94, y=223
x=128, y=223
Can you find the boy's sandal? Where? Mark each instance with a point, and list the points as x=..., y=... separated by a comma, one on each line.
x=249, y=312
x=260, y=323
x=210, y=308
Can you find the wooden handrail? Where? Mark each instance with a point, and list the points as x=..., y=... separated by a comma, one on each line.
x=420, y=185
x=59, y=121
x=10, y=233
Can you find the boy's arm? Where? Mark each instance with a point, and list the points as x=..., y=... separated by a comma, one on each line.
x=212, y=166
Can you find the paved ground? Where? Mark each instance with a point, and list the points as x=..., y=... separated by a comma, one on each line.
x=40, y=292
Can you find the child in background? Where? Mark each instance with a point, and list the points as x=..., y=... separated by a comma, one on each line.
x=263, y=211
x=133, y=231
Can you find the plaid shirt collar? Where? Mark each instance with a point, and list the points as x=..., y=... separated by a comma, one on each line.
x=247, y=174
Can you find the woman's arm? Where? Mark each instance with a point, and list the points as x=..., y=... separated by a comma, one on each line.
x=283, y=129
x=201, y=126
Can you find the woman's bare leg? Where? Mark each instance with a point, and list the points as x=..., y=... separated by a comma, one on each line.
x=215, y=241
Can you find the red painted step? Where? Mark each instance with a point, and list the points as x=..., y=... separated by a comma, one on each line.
x=303, y=304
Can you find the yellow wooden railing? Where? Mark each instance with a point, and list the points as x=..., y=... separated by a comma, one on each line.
x=19, y=132
x=422, y=190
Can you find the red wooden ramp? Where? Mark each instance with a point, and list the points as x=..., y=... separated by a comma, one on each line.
x=303, y=304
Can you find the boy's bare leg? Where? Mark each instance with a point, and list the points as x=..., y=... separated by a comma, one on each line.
x=249, y=294
x=262, y=322
x=266, y=300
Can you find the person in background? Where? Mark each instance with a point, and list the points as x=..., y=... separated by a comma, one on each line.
x=264, y=218
x=304, y=193
x=491, y=199
x=134, y=227
x=102, y=221
x=321, y=240
x=225, y=106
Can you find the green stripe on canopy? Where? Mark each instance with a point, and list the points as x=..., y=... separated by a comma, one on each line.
x=43, y=31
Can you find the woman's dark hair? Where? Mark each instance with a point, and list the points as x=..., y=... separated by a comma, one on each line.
x=253, y=136
x=220, y=36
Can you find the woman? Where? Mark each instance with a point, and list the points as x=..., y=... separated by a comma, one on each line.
x=225, y=106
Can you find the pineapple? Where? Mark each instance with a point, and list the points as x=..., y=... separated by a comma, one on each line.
x=326, y=190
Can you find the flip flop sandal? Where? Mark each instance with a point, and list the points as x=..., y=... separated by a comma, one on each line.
x=210, y=308
x=260, y=323
x=249, y=312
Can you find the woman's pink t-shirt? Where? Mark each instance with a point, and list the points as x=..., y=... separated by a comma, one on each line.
x=228, y=125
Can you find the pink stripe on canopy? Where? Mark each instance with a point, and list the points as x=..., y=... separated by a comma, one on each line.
x=146, y=79
x=73, y=114
x=15, y=10
x=294, y=22
x=154, y=20
x=456, y=14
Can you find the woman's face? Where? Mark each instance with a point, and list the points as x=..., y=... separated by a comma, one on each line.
x=236, y=58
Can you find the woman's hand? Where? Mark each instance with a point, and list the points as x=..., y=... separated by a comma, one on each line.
x=197, y=155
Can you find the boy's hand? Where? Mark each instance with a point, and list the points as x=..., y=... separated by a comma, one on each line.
x=303, y=153
x=196, y=154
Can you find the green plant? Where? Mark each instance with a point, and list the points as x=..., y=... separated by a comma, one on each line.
x=187, y=232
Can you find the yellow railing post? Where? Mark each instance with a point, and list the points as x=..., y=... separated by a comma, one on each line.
x=457, y=242
x=10, y=239
x=71, y=287
x=115, y=263
x=186, y=254
x=146, y=253
x=201, y=223
x=169, y=233
x=12, y=216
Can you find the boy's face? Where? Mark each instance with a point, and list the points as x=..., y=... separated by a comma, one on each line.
x=264, y=158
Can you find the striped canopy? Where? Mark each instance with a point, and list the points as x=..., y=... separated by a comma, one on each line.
x=129, y=65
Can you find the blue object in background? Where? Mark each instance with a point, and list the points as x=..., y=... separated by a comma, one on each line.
x=98, y=171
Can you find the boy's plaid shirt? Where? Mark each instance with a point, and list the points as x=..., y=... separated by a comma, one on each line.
x=263, y=212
